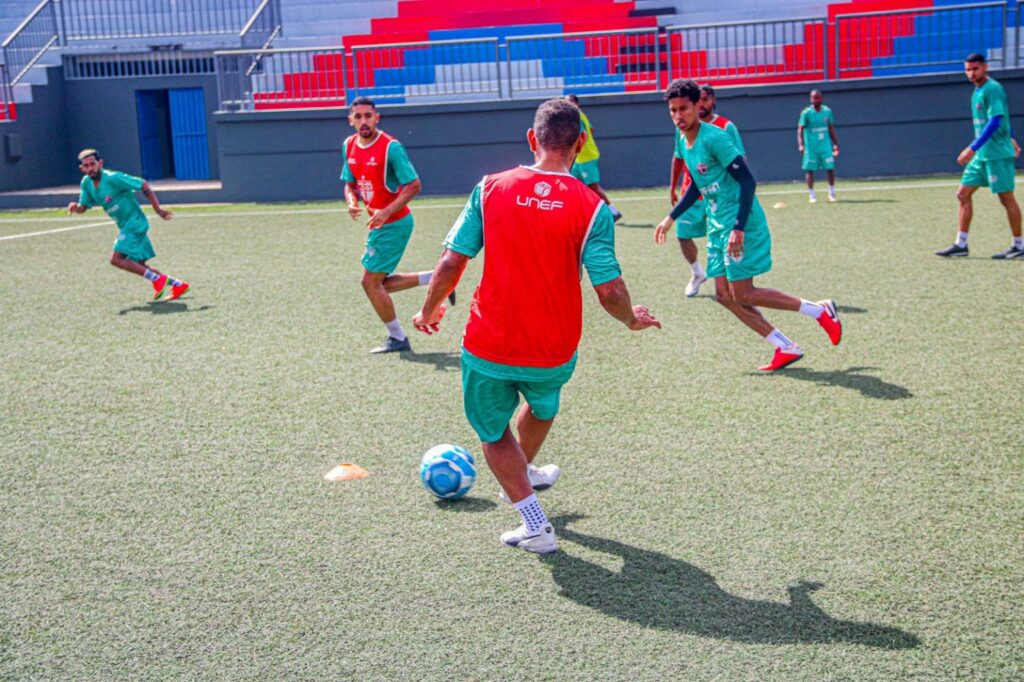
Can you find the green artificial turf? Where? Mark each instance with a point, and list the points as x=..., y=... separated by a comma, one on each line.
x=856, y=517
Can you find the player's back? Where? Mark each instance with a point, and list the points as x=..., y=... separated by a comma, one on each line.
x=528, y=309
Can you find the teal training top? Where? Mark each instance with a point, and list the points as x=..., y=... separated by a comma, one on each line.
x=116, y=195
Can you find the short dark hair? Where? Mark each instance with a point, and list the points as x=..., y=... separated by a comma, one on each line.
x=573, y=98
x=685, y=88
x=975, y=57
x=817, y=91
x=361, y=101
x=706, y=89
x=86, y=153
x=557, y=124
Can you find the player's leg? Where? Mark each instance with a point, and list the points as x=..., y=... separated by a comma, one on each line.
x=748, y=315
x=532, y=431
x=831, y=173
x=400, y=281
x=380, y=299
x=1001, y=175
x=132, y=251
x=384, y=250
x=690, y=226
x=543, y=399
x=589, y=173
x=123, y=262
x=975, y=175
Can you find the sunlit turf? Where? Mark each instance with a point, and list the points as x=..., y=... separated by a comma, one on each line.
x=859, y=516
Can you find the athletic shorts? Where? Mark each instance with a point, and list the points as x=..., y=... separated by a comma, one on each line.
x=818, y=161
x=385, y=246
x=756, y=259
x=996, y=174
x=490, y=392
x=135, y=245
x=587, y=172
x=693, y=223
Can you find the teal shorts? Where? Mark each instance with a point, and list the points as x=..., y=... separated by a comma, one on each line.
x=385, y=245
x=587, y=172
x=818, y=161
x=490, y=392
x=997, y=174
x=135, y=245
x=756, y=259
x=693, y=223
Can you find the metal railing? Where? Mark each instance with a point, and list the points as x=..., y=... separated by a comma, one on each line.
x=276, y=79
x=138, y=65
x=263, y=26
x=749, y=51
x=105, y=19
x=33, y=37
x=864, y=41
x=6, y=96
x=540, y=65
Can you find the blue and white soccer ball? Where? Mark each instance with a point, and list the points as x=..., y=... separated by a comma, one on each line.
x=448, y=471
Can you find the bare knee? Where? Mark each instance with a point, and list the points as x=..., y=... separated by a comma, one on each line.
x=743, y=297
x=725, y=298
x=116, y=259
x=1008, y=200
x=963, y=195
x=371, y=281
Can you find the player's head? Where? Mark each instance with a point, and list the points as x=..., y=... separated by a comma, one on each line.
x=364, y=117
x=708, y=101
x=90, y=162
x=976, y=68
x=683, y=97
x=574, y=99
x=816, y=99
x=556, y=129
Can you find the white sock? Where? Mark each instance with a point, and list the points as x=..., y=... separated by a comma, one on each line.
x=779, y=340
x=811, y=309
x=533, y=515
x=1018, y=242
x=832, y=191
x=810, y=193
x=425, y=277
x=961, y=239
x=615, y=211
x=395, y=330
x=698, y=270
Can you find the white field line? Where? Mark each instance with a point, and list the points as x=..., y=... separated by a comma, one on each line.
x=341, y=211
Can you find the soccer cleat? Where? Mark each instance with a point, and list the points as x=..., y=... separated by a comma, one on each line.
x=541, y=478
x=393, y=345
x=178, y=290
x=158, y=287
x=783, y=358
x=693, y=288
x=829, y=321
x=1012, y=252
x=542, y=542
x=451, y=297
x=953, y=252
x=812, y=200
x=832, y=198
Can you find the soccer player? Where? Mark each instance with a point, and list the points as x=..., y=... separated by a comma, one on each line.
x=739, y=244
x=585, y=168
x=989, y=160
x=378, y=172
x=819, y=153
x=693, y=223
x=540, y=226
x=115, y=192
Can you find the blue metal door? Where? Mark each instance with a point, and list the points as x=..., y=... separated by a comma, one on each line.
x=147, y=107
x=188, y=133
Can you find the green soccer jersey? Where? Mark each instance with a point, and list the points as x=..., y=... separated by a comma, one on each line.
x=708, y=160
x=987, y=101
x=400, y=170
x=817, y=139
x=116, y=195
x=730, y=128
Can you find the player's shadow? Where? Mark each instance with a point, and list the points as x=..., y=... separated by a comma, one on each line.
x=850, y=310
x=844, y=200
x=166, y=308
x=444, y=362
x=637, y=226
x=869, y=386
x=656, y=590
x=466, y=504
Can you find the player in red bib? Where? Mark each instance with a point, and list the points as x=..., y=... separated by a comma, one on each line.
x=377, y=171
x=541, y=227
x=693, y=223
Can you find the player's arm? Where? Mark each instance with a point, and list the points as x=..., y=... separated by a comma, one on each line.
x=407, y=194
x=76, y=207
x=800, y=137
x=614, y=297
x=447, y=274
x=605, y=274
x=835, y=138
x=740, y=172
x=678, y=165
x=352, y=200
x=986, y=134
x=690, y=198
x=148, y=192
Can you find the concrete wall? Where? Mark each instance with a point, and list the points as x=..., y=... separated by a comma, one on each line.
x=42, y=131
x=905, y=126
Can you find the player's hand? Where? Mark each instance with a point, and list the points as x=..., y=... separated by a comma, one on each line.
x=1016, y=148
x=642, y=319
x=800, y=148
x=354, y=210
x=662, y=229
x=965, y=156
x=428, y=324
x=164, y=213
x=74, y=207
x=673, y=196
x=835, y=150
x=378, y=219
x=735, y=247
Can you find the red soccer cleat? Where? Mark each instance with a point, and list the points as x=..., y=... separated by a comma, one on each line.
x=829, y=321
x=783, y=359
x=158, y=287
x=178, y=290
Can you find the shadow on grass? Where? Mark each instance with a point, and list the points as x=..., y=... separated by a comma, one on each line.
x=844, y=200
x=655, y=590
x=638, y=226
x=165, y=308
x=466, y=504
x=867, y=385
x=444, y=362
x=851, y=310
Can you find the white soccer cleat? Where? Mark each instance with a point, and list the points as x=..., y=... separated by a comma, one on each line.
x=812, y=200
x=693, y=288
x=832, y=198
x=541, y=542
x=541, y=478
